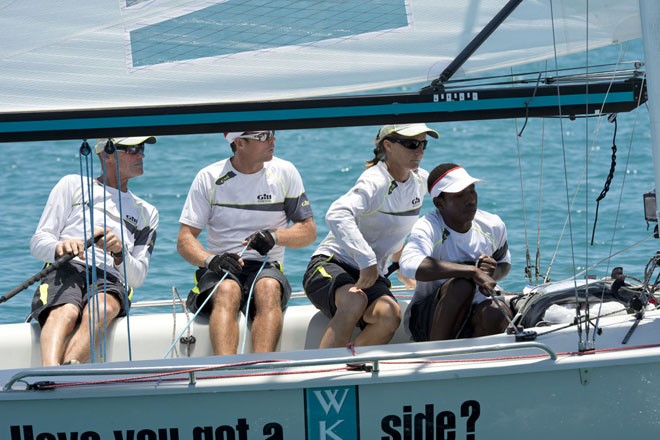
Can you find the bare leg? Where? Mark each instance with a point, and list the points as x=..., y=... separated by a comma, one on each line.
x=383, y=317
x=58, y=326
x=78, y=347
x=223, y=322
x=487, y=318
x=267, y=324
x=351, y=303
x=451, y=311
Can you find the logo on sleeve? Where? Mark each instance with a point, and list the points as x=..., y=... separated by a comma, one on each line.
x=264, y=198
x=225, y=178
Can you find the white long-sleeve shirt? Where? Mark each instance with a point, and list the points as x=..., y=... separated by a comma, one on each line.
x=62, y=218
x=371, y=221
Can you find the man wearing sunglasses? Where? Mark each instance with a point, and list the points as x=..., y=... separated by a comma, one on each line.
x=252, y=206
x=127, y=224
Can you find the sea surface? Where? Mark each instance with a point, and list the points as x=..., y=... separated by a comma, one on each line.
x=529, y=180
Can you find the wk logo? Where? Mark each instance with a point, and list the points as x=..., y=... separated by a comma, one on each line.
x=332, y=413
x=415, y=201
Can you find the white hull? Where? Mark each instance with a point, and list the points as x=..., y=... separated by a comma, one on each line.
x=505, y=388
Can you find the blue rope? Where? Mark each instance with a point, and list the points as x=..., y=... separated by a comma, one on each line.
x=247, y=306
x=123, y=264
x=200, y=308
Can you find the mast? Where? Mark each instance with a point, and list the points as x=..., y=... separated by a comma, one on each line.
x=649, y=13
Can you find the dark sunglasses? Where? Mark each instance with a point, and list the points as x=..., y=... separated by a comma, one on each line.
x=263, y=136
x=131, y=149
x=410, y=144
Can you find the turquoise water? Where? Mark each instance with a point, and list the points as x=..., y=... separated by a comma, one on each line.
x=331, y=159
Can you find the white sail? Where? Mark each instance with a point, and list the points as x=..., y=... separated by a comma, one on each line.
x=69, y=55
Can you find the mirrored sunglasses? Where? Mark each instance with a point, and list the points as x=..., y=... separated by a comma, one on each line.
x=263, y=136
x=411, y=144
x=131, y=149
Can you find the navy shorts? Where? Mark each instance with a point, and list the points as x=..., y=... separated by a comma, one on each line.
x=421, y=317
x=205, y=281
x=324, y=275
x=68, y=285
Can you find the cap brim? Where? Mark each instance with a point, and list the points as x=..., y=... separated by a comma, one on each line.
x=410, y=132
x=137, y=140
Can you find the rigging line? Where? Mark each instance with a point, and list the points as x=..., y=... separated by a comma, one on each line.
x=536, y=87
x=612, y=255
x=92, y=288
x=123, y=258
x=103, y=346
x=249, y=299
x=537, y=260
x=522, y=189
x=586, y=183
x=199, y=309
x=564, y=162
x=582, y=173
x=85, y=151
x=528, y=258
x=623, y=184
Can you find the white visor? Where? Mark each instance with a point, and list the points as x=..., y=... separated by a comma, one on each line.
x=453, y=181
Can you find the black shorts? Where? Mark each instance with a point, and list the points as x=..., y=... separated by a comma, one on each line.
x=68, y=285
x=324, y=275
x=421, y=317
x=205, y=281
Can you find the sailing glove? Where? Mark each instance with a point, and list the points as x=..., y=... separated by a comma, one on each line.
x=262, y=241
x=226, y=262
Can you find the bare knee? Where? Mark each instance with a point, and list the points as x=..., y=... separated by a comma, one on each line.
x=66, y=314
x=385, y=312
x=268, y=294
x=350, y=302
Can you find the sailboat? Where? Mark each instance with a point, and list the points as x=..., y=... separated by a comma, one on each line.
x=238, y=59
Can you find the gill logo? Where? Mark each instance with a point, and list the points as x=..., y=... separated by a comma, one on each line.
x=264, y=197
x=225, y=178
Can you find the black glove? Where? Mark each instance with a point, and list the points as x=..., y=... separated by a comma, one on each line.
x=262, y=241
x=224, y=263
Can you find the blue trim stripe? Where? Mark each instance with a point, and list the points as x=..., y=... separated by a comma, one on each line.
x=254, y=116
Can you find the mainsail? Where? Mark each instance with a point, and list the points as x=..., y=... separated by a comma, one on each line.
x=97, y=54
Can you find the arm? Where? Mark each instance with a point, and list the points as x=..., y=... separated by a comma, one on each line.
x=341, y=219
x=189, y=247
x=409, y=283
x=44, y=242
x=138, y=258
x=432, y=269
x=299, y=234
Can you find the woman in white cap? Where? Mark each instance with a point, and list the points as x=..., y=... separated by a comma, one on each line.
x=457, y=253
x=346, y=276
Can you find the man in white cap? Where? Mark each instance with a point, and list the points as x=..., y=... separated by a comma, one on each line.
x=252, y=206
x=128, y=226
x=457, y=253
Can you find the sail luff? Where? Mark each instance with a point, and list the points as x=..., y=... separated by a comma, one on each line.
x=650, y=21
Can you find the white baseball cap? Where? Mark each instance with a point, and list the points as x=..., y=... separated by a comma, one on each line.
x=128, y=141
x=405, y=130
